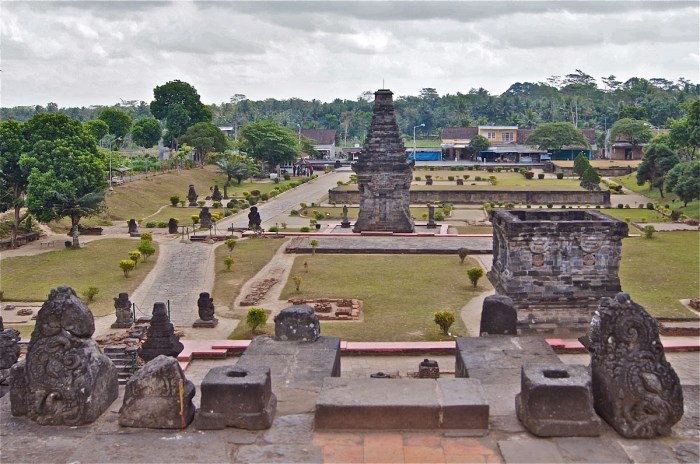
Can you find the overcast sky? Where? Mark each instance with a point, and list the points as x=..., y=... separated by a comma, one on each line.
x=90, y=53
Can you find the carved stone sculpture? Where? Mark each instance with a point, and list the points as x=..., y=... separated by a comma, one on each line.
x=133, y=228
x=498, y=316
x=65, y=379
x=216, y=195
x=634, y=388
x=172, y=226
x=206, y=312
x=152, y=396
x=192, y=196
x=345, y=223
x=205, y=218
x=9, y=346
x=298, y=322
x=254, y=219
x=122, y=305
x=161, y=336
x=431, y=217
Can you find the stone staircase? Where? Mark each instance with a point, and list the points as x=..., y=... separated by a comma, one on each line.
x=124, y=359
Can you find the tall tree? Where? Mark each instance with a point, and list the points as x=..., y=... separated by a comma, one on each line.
x=146, y=132
x=205, y=137
x=64, y=163
x=268, y=141
x=118, y=121
x=236, y=166
x=97, y=128
x=658, y=160
x=634, y=131
x=76, y=207
x=13, y=179
x=556, y=135
x=478, y=144
x=684, y=180
x=179, y=104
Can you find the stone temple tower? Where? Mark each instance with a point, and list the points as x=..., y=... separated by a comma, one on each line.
x=383, y=173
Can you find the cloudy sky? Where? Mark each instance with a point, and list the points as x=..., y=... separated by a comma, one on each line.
x=87, y=53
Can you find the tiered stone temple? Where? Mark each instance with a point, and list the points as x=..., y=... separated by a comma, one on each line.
x=556, y=266
x=383, y=173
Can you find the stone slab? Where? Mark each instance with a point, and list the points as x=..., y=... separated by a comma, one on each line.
x=529, y=451
x=352, y=403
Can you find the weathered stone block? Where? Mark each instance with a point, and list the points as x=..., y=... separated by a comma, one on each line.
x=298, y=322
x=152, y=396
x=555, y=400
x=65, y=379
x=498, y=316
x=237, y=397
x=351, y=403
x=635, y=389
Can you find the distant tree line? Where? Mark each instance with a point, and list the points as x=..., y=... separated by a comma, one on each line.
x=576, y=98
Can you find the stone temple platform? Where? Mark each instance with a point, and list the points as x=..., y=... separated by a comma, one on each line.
x=392, y=244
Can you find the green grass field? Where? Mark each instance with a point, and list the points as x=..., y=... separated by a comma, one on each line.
x=400, y=292
x=660, y=271
x=670, y=199
x=249, y=256
x=93, y=265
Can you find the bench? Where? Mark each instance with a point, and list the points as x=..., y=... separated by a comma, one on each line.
x=48, y=244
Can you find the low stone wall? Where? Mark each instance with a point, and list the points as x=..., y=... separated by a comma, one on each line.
x=460, y=197
x=21, y=240
x=612, y=171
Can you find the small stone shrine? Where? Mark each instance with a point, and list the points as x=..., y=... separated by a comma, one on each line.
x=125, y=318
x=65, y=379
x=556, y=266
x=192, y=196
x=298, y=322
x=431, y=217
x=152, y=396
x=383, y=173
x=172, y=226
x=498, y=316
x=216, y=195
x=233, y=396
x=205, y=218
x=428, y=369
x=254, y=219
x=555, y=400
x=161, y=338
x=133, y=228
x=345, y=223
x=206, y=312
x=635, y=389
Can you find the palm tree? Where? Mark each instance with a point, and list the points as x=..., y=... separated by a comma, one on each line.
x=238, y=166
x=68, y=204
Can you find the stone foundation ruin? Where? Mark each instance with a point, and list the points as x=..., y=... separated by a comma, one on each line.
x=556, y=266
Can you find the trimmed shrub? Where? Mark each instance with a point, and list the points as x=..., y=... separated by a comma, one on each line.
x=439, y=216
x=475, y=274
x=174, y=200
x=287, y=176
x=146, y=249
x=201, y=203
x=451, y=178
x=255, y=318
x=231, y=204
x=146, y=237
x=297, y=282
x=255, y=193
x=529, y=174
x=650, y=206
x=560, y=175
x=273, y=229
x=462, y=253
x=648, y=231
x=550, y=205
x=90, y=294
x=304, y=229
x=230, y=244
x=216, y=205
x=444, y=319
x=162, y=225
x=294, y=213
x=151, y=224
x=540, y=175
x=620, y=206
x=135, y=256
x=126, y=265
x=228, y=262
x=264, y=197
x=195, y=219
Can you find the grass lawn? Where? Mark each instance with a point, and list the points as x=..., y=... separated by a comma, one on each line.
x=659, y=272
x=93, y=265
x=249, y=256
x=399, y=301
x=635, y=214
x=601, y=163
x=670, y=199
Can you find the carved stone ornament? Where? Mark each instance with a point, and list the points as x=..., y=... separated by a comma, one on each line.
x=539, y=244
x=537, y=259
x=634, y=388
x=589, y=260
x=65, y=379
x=590, y=243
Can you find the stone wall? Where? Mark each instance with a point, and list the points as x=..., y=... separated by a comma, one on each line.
x=461, y=197
x=556, y=266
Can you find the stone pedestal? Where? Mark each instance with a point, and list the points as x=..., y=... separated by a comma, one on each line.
x=383, y=173
x=152, y=397
x=555, y=400
x=236, y=397
x=556, y=266
x=161, y=338
x=498, y=316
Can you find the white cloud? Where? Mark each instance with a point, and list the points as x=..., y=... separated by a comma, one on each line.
x=82, y=53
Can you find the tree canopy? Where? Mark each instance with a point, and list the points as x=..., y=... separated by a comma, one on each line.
x=178, y=103
x=13, y=179
x=268, y=141
x=205, y=137
x=556, y=135
x=146, y=132
x=97, y=128
x=658, y=160
x=634, y=131
x=118, y=121
x=237, y=166
x=478, y=143
x=684, y=180
x=63, y=163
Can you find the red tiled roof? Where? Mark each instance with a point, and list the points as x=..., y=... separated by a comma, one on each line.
x=320, y=136
x=466, y=133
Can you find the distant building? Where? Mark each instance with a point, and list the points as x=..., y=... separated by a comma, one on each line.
x=622, y=149
x=324, y=141
x=507, y=143
x=229, y=131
